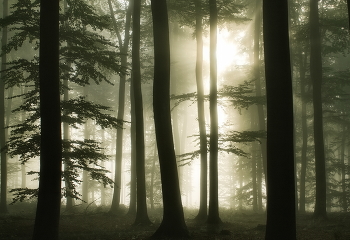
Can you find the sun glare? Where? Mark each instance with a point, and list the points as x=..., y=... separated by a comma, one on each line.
x=228, y=51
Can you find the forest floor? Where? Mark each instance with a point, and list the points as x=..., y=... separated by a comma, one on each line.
x=96, y=224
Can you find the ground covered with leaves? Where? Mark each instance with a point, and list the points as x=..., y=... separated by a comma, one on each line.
x=94, y=223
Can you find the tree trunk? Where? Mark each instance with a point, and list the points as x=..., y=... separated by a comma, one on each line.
x=121, y=104
x=173, y=223
x=85, y=184
x=69, y=199
x=132, y=204
x=260, y=107
x=202, y=213
x=213, y=214
x=49, y=197
x=3, y=200
x=302, y=63
x=141, y=209
x=281, y=220
x=316, y=78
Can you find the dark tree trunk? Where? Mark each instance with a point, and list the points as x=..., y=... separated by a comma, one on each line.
x=281, y=220
x=302, y=63
x=141, y=210
x=203, y=208
x=49, y=197
x=132, y=204
x=3, y=200
x=173, y=223
x=254, y=180
x=316, y=78
x=121, y=104
x=213, y=213
x=260, y=107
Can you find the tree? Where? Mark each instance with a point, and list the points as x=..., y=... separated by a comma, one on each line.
x=202, y=213
x=89, y=56
x=280, y=222
x=123, y=46
x=49, y=196
x=316, y=78
x=213, y=213
x=141, y=211
x=261, y=114
x=173, y=223
x=3, y=201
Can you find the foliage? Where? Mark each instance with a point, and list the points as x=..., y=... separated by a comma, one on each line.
x=85, y=56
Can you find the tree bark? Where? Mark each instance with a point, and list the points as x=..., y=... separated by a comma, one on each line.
x=316, y=78
x=173, y=223
x=141, y=210
x=202, y=213
x=49, y=197
x=281, y=220
x=213, y=213
x=3, y=200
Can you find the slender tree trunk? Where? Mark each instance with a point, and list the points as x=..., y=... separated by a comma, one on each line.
x=213, y=214
x=281, y=220
x=121, y=104
x=203, y=208
x=132, y=204
x=304, y=132
x=85, y=184
x=49, y=197
x=343, y=172
x=258, y=87
x=316, y=78
x=69, y=199
x=254, y=177
x=66, y=136
x=173, y=223
x=3, y=200
x=141, y=210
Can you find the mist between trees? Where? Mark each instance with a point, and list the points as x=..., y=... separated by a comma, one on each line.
x=176, y=104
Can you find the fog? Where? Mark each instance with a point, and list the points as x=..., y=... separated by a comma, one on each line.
x=94, y=62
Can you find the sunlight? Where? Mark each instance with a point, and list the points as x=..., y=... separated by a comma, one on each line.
x=228, y=50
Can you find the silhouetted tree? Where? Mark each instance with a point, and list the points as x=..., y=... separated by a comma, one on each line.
x=49, y=196
x=3, y=201
x=202, y=213
x=281, y=220
x=123, y=46
x=141, y=209
x=173, y=223
x=132, y=204
x=213, y=213
x=316, y=78
x=260, y=107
